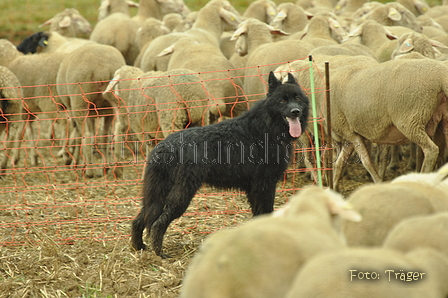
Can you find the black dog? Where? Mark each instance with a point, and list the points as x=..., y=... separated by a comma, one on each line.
x=249, y=152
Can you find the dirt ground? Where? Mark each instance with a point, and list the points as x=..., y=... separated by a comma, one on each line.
x=102, y=264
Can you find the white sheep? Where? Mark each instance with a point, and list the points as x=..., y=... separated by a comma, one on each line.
x=215, y=70
x=109, y=7
x=383, y=206
x=400, y=105
x=151, y=29
x=82, y=77
x=420, y=231
x=254, y=39
x=416, y=42
x=12, y=125
x=417, y=7
x=69, y=23
x=394, y=14
x=373, y=273
x=154, y=104
x=120, y=30
x=436, y=179
x=8, y=52
x=263, y=10
x=376, y=37
x=261, y=257
x=37, y=73
x=289, y=18
x=212, y=20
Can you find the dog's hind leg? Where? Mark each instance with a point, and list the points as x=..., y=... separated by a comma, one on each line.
x=138, y=225
x=177, y=202
x=261, y=198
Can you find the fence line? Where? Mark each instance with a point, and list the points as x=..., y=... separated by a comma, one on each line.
x=42, y=196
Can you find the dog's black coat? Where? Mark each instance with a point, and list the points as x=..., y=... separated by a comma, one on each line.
x=250, y=153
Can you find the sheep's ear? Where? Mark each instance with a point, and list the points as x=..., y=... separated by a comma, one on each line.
x=166, y=51
x=65, y=22
x=132, y=3
x=240, y=31
x=275, y=31
x=46, y=23
x=394, y=14
x=273, y=82
x=230, y=17
x=281, y=15
x=437, y=44
x=407, y=46
x=421, y=6
x=112, y=83
x=338, y=206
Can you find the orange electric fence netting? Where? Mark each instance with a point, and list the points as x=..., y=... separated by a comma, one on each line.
x=69, y=174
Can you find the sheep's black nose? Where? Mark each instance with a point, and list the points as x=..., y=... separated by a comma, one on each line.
x=295, y=111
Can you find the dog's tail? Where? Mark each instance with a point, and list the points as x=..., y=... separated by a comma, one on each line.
x=155, y=190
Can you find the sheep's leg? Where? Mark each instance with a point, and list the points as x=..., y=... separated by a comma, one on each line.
x=383, y=156
x=394, y=157
x=421, y=138
x=363, y=153
x=341, y=161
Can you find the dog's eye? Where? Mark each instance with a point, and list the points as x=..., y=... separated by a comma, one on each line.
x=283, y=101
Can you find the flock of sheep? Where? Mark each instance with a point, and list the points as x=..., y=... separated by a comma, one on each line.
x=143, y=77
x=218, y=61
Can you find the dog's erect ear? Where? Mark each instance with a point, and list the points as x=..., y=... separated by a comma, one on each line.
x=291, y=79
x=273, y=82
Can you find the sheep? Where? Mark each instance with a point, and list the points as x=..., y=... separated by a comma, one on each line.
x=377, y=38
x=263, y=10
x=416, y=42
x=11, y=122
x=109, y=7
x=435, y=179
x=187, y=22
x=220, y=80
x=37, y=74
x=420, y=231
x=82, y=77
x=8, y=52
x=119, y=29
x=417, y=7
x=151, y=29
x=289, y=18
x=174, y=99
x=69, y=23
x=158, y=8
x=172, y=20
x=347, y=49
x=373, y=273
x=261, y=257
x=255, y=41
x=322, y=31
x=42, y=42
x=212, y=20
x=384, y=205
x=387, y=115
x=347, y=7
x=394, y=14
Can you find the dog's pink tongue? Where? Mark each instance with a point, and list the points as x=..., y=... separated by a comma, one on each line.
x=295, y=129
